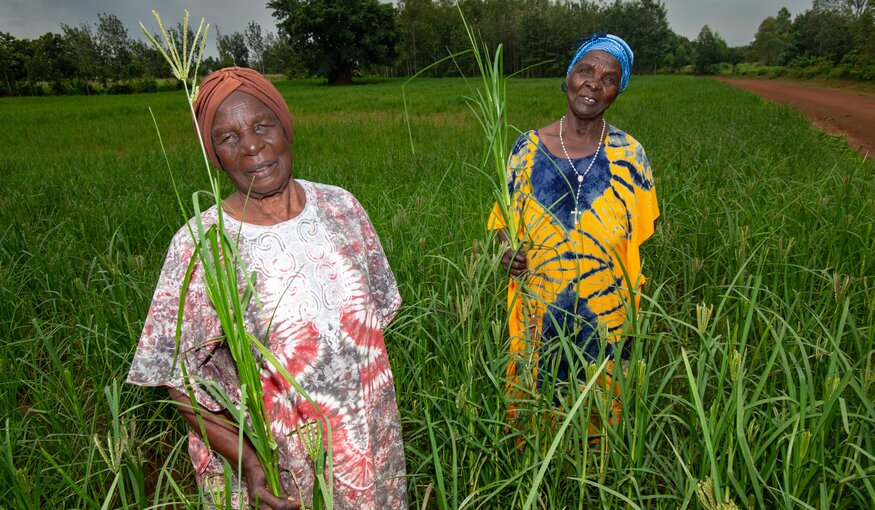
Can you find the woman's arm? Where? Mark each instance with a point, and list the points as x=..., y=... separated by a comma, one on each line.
x=223, y=438
x=516, y=263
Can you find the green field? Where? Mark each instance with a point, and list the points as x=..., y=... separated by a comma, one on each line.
x=765, y=221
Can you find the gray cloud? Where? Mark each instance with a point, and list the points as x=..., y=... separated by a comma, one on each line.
x=735, y=20
x=29, y=19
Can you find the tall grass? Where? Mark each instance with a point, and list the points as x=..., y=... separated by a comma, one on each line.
x=752, y=372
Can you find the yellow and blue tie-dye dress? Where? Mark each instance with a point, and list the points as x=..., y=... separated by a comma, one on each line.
x=581, y=270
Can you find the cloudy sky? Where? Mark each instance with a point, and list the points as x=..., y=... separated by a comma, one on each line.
x=735, y=20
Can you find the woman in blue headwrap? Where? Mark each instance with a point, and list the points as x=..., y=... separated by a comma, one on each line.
x=583, y=201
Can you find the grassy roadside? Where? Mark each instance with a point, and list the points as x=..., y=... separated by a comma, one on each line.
x=839, y=85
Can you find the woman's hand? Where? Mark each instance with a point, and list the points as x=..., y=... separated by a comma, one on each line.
x=259, y=490
x=515, y=262
x=223, y=438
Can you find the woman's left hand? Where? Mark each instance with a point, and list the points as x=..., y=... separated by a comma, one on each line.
x=259, y=490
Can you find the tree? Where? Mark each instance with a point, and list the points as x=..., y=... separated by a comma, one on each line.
x=82, y=50
x=421, y=36
x=256, y=44
x=711, y=49
x=278, y=56
x=823, y=33
x=336, y=38
x=680, y=53
x=113, y=44
x=232, y=49
x=644, y=25
x=772, y=41
x=11, y=60
x=851, y=8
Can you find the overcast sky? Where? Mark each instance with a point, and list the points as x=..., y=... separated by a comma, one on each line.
x=735, y=20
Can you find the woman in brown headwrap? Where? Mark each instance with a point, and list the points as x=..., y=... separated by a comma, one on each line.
x=325, y=293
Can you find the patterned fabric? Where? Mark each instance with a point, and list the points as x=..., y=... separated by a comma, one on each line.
x=326, y=292
x=580, y=269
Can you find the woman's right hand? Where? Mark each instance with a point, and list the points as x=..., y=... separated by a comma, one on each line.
x=516, y=261
x=259, y=489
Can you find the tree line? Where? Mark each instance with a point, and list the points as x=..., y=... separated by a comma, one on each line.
x=339, y=39
x=833, y=38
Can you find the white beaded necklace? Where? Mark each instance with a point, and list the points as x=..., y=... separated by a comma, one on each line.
x=580, y=176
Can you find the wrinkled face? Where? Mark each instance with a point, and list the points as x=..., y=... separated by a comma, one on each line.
x=251, y=145
x=594, y=83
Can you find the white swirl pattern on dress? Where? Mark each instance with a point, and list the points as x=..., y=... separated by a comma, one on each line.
x=314, y=287
x=305, y=280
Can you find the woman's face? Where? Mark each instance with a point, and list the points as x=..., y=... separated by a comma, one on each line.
x=251, y=145
x=593, y=84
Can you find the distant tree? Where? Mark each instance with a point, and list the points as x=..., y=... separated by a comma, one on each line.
x=149, y=60
x=711, y=49
x=736, y=54
x=82, y=50
x=421, y=35
x=824, y=33
x=336, y=38
x=858, y=8
x=47, y=59
x=256, y=43
x=867, y=35
x=681, y=53
x=177, y=32
x=113, y=44
x=278, y=56
x=644, y=25
x=852, y=8
x=11, y=60
x=232, y=49
x=771, y=45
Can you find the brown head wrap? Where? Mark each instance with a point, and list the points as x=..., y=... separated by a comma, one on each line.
x=220, y=84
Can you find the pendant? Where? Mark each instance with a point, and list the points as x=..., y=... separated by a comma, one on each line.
x=579, y=178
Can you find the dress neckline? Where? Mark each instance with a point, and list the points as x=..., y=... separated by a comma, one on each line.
x=543, y=147
x=306, y=212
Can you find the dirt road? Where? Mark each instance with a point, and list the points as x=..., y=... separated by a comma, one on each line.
x=836, y=112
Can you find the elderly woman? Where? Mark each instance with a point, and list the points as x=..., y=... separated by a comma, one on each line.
x=325, y=293
x=583, y=200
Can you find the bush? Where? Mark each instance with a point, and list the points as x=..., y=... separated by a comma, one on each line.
x=119, y=87
x=144, y=85
x=28, y=88
x=805, y=66
x=78, y=86
x=59, y=88
x=865, y=72
x=168, y=85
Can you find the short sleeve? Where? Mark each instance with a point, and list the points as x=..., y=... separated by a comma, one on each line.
x=383, y=287
x=158, y=360
x=646, y=205
x=644, y=213
x=513, y=176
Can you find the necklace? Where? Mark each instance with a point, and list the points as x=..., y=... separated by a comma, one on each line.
x=580, y=176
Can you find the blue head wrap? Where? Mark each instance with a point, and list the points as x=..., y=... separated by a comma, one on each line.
x=611, y=44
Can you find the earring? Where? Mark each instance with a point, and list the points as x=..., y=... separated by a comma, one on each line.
x=564, y=87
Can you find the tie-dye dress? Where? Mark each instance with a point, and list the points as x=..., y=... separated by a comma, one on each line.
x=326, y=292
x=581, y=269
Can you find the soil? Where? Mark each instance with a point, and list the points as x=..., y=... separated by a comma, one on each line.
x=847, y=114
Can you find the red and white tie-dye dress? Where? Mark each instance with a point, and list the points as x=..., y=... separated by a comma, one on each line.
x=325, y=293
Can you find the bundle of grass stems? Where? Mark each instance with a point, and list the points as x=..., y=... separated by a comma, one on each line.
x=216, y=251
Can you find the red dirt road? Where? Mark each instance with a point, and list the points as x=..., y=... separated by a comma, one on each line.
x=836, y=112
